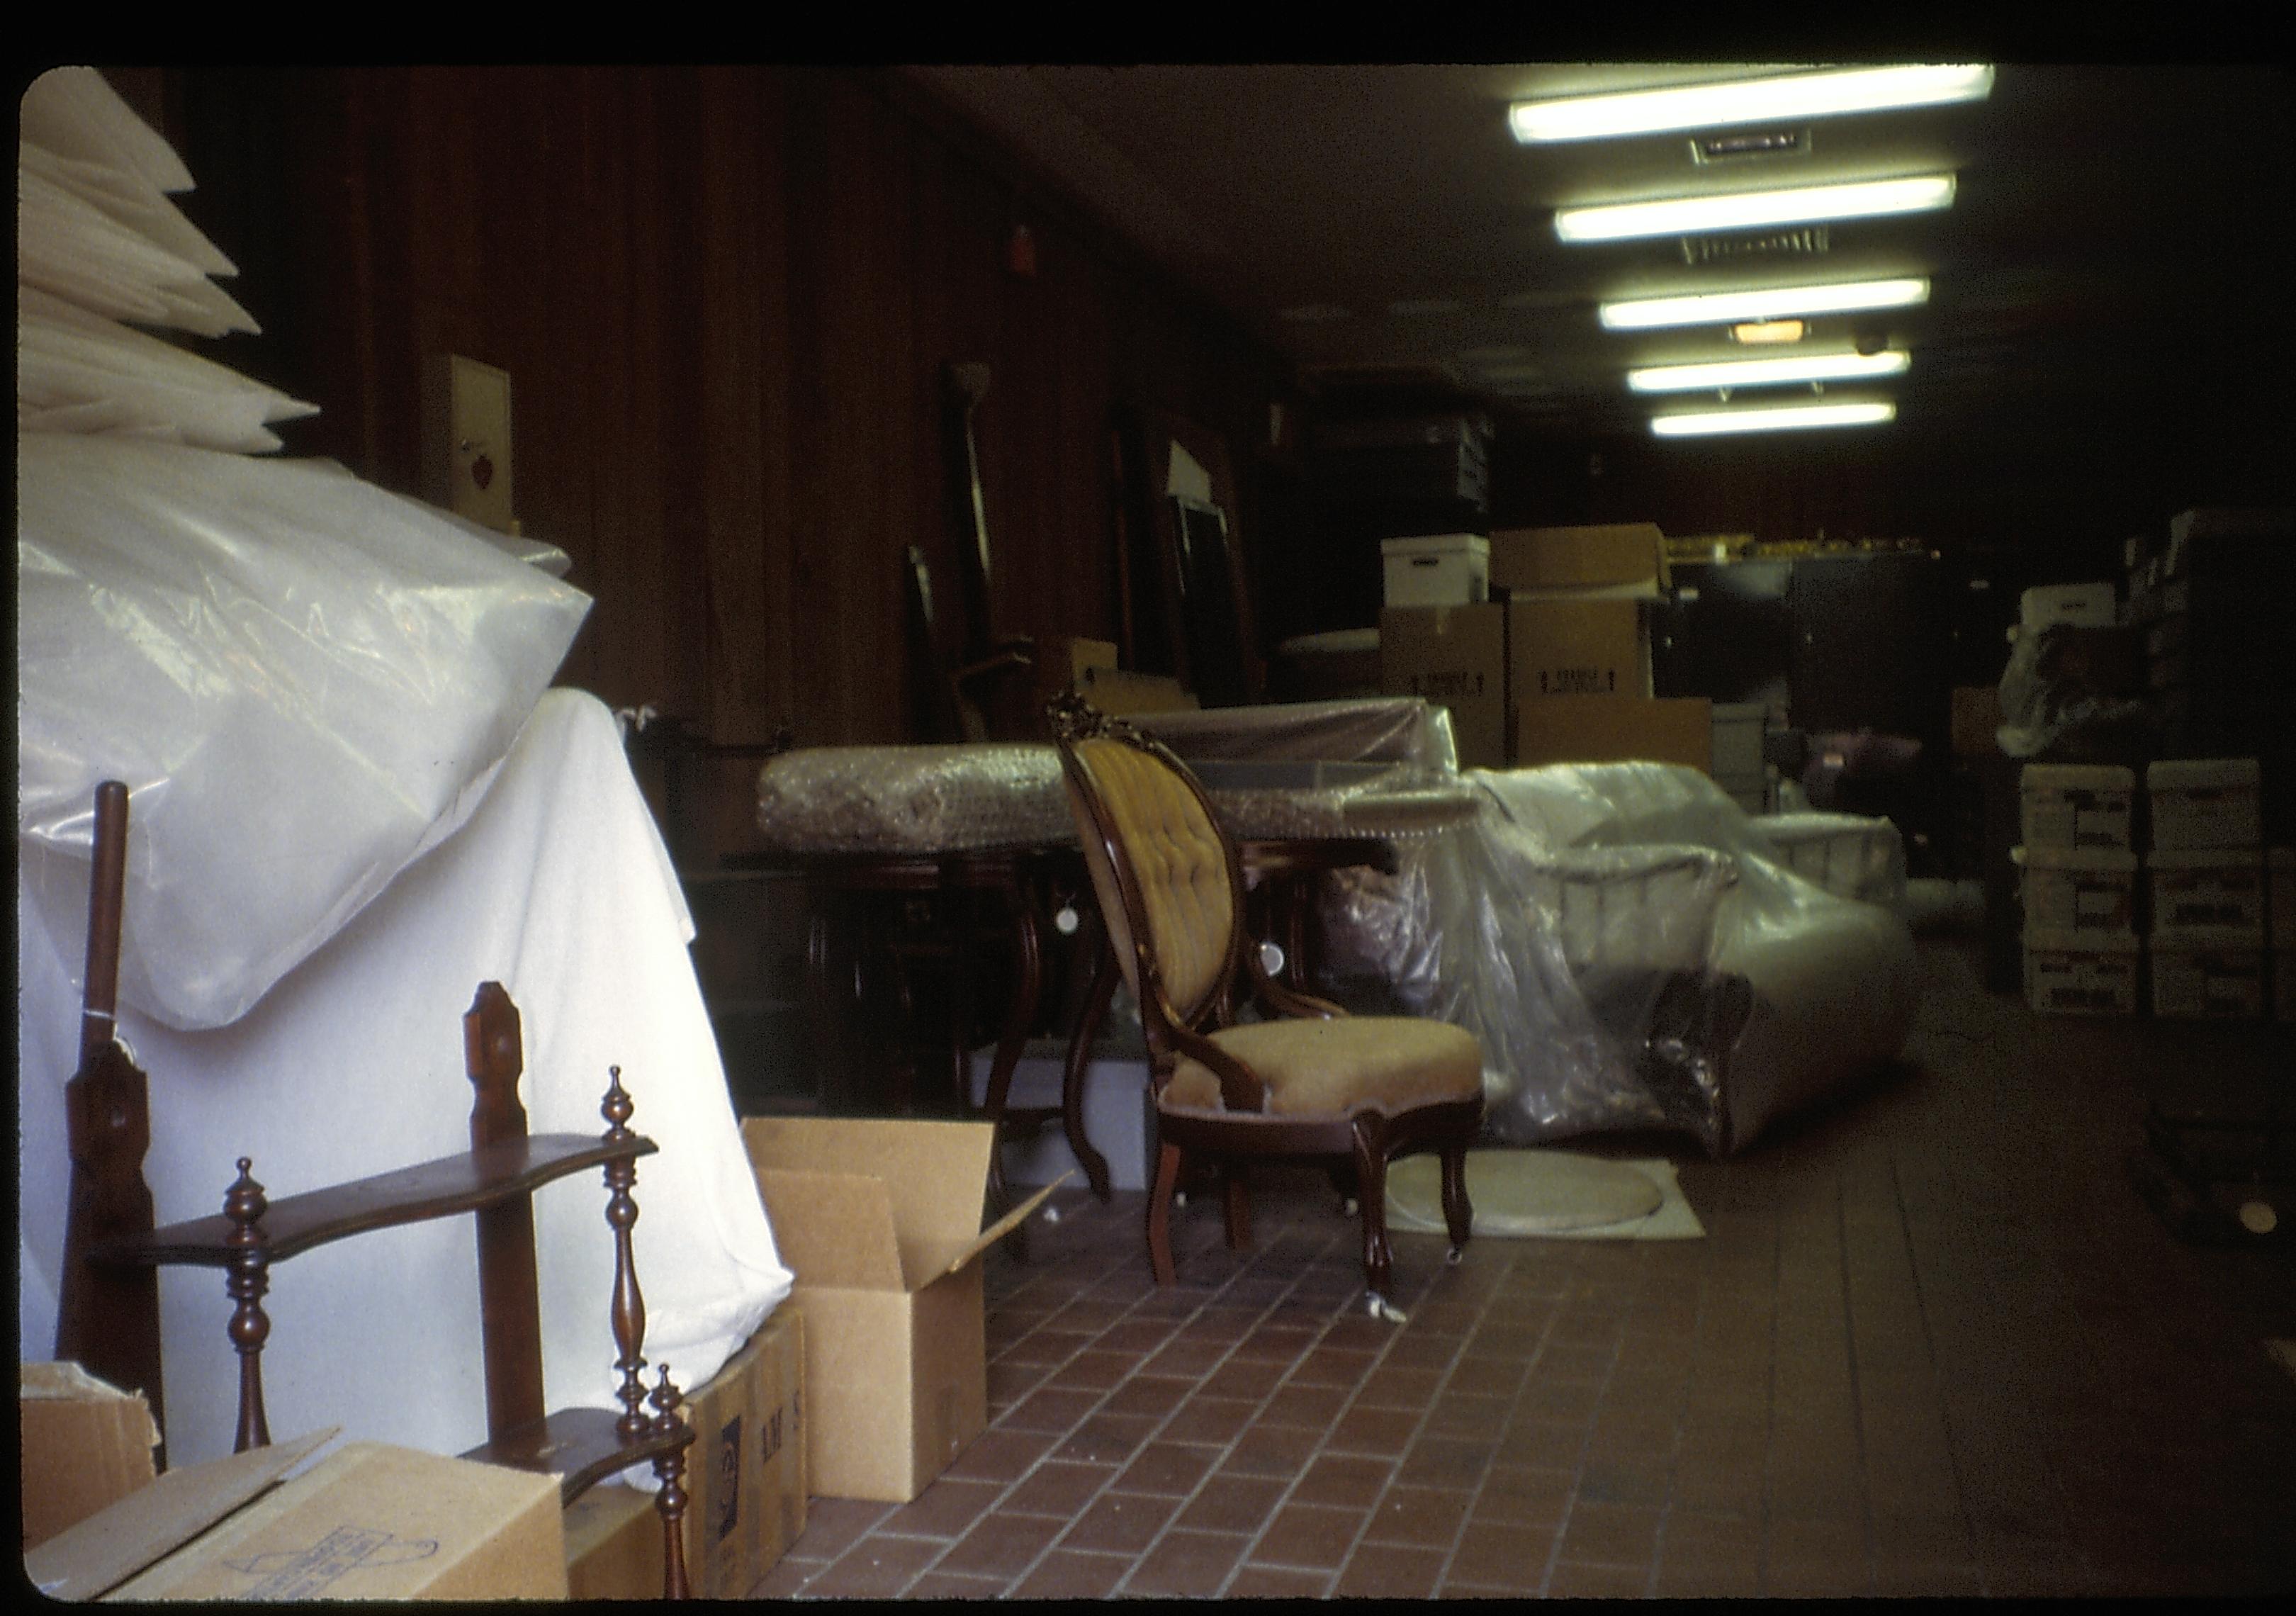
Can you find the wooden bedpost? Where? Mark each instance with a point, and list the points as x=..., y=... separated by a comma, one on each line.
x=509, y=1291
x=108, y=1317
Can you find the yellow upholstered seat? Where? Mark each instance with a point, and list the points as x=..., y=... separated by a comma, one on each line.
x=1337, y=1066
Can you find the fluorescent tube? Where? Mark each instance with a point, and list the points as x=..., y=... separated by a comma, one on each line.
x=1821, y=94
x=1765, y=303
x=1748, y=210
x=1788, y=418
x=1765, y=373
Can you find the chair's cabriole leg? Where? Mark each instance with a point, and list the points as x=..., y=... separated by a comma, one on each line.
x=629, y=1301
x=1458, y=1213
x=1371, y=1190
x=245, y=1282
x=1239, y=1208
x=1159, y=1214
x=671, y=1467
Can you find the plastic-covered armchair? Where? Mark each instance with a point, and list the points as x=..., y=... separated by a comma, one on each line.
x=1307, y=1081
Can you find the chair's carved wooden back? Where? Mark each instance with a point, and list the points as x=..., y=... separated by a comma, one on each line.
x=1170, y=886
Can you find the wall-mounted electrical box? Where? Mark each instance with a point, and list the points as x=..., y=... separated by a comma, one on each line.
x=466, y=442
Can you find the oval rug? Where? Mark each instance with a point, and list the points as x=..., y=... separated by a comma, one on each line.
x=1524, y=1192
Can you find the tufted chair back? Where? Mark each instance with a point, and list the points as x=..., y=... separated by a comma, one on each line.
x=1166, y=879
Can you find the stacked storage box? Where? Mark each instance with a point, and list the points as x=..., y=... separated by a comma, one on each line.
x=2080, y=944
x=1579, y=648
x=1738, y=766
x=2207, y=884
x=2280, y=918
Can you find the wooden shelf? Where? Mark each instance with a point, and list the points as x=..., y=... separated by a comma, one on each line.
x=581, y=1445
x=464, y=1183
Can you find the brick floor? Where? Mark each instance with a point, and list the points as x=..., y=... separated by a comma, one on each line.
x=1932, y=1344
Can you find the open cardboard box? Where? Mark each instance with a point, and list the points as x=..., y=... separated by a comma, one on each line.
x=367, y=1522
x=879, y=1221
x=85, y=1444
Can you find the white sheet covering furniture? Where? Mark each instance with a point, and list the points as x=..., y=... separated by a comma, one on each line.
x=559, y=887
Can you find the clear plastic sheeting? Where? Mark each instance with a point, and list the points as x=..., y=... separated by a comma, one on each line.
x=305, y=681
x=1622, y=938
x=2051, y=704
x=893, y=799
x=1391, y=729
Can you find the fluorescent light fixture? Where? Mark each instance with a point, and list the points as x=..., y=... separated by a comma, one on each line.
x=1748, y=210
x=1766, y=303
x=1821, y=94
x=1765, y=373
x=1777, y=419
x=1769, y=330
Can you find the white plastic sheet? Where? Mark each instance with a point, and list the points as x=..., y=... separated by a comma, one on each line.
x=1621, y=941
x=559, y=889
x=303, y=679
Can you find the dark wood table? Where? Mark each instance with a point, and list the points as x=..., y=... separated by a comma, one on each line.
x=966, y=900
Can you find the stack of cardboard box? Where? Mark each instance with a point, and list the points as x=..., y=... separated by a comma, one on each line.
x=1556, y=667
x=2081, y=945
x=2207, y=883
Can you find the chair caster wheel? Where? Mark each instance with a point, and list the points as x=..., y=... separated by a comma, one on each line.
x=1180, y=1197
x=1455, y=1256
x=1379, y=1306
x=1347, y=1206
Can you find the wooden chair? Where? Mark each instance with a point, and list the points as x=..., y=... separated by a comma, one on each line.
x=1310, y=1082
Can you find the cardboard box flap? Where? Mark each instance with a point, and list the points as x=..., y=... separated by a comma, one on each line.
x=923, y=1261
x=833, y=1228
x=88, y=1560
x=935, y=1172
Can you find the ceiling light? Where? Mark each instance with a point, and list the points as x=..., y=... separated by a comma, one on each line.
x=1787, y=418
x=1765, y=303
x=1771, y=331
x=1702, y=106
x=1765, y=373
x=1745, y=210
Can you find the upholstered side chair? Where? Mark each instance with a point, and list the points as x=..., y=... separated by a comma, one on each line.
x=1306, y=1079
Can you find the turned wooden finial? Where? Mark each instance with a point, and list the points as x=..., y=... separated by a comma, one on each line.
x=629, y=1301
x=671, y=1467
x=493, y=1054
x=245, y=1281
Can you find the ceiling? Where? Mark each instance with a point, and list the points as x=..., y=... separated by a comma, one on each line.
x=2114, y=227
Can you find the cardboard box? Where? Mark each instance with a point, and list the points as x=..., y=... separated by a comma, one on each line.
x=1119, y=1114
x=1116, y=690
x=1453, y=657
x=2075, y=805
x=2081, y=973
x=745, y=1480
x=1615, y=729
x=2068, y=605
x=2206, y=802
x=1577, y=648
x=1622, y=554
x=613, y=1545
x=1067, y=662
x=2207, y=895
x=2208, y=984
x=879, y=1220
x=368, y=1521
x=1437, y=569
x=85, y=1444
x=2078, y=889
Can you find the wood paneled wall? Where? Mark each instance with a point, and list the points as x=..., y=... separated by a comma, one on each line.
x=724, y=296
